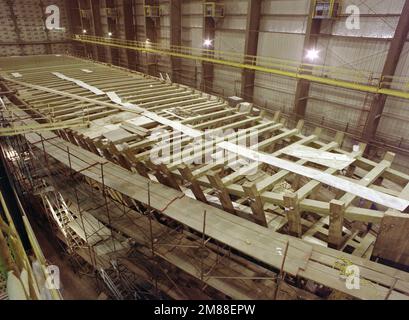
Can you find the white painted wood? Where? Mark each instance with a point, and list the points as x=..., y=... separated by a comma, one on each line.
x=116, y=99
x=339, y=183
x=328, y=159
x=80, y=83
x=173, y=124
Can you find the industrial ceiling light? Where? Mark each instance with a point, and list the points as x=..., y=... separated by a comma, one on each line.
x=312, y=54
x=207, y=43
x=84, y=31
x=109, y=34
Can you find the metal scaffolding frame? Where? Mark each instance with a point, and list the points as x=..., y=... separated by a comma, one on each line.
x=170, y=236
x=155, y=240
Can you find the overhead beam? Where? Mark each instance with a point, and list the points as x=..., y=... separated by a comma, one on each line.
x=391, y=62
x=251, y=44
x=310, y=41
x=18, y=130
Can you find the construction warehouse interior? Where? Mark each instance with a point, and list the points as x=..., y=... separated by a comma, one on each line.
x=204, y=150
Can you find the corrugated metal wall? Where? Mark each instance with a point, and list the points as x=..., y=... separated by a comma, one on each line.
x=30, y=32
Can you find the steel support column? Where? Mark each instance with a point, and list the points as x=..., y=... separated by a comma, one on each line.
x=17, y=30
x=91, y=27
x=48, y=46
x=100, y=13
x=176, y=36
x=74, y=18
x=83, y=7
x=130, y=32
x=121, y=31
x=251, y=44
x=310, y=41
x=97, y=27
x=389, y=69
x=112, y=23
x=70, y=18
x=152, y=24
x=209, y=33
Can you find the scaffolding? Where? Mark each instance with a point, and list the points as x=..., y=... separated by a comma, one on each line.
x=211, y=264
x=145, y=232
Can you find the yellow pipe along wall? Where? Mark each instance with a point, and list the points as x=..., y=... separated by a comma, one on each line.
x=297, y=74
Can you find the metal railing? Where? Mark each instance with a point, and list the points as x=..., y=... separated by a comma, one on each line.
x=365, y=81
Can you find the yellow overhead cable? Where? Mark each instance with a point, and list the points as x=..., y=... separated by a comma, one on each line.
x=355, y=80
x=16, y=130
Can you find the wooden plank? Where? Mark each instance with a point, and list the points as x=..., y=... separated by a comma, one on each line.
x=293, y=213
x=392, y=243
x=89, y=229
x=118, y=136
x=370, y=178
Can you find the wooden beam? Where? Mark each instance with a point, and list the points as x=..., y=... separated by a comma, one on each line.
x=221, y=191
x=193, y=184
x=336, y=223
x=392, y=243
x=292, y=210
x=257, y=204
x=370, y=177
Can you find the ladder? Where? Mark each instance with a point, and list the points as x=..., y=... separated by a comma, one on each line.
x=112, y=287
x=59, y=213
x=123, y=281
